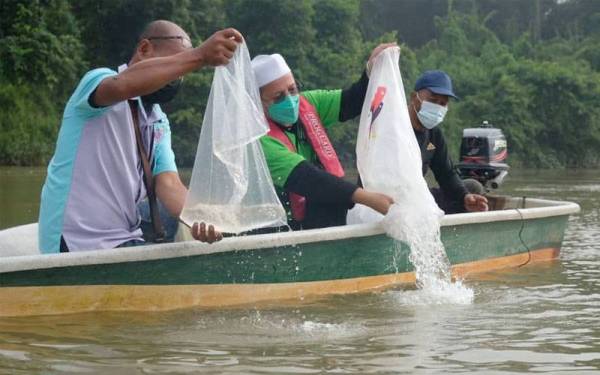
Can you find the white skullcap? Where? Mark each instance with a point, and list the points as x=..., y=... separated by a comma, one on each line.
x=268, y=68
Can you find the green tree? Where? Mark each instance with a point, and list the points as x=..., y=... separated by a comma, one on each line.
x=284, y=27
x=530, y=67
x=41, y=58
x=40, y=46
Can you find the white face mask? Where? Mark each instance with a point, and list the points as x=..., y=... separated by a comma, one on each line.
x=431, y=114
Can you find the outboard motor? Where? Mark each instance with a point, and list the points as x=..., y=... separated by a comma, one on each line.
x=483, y=153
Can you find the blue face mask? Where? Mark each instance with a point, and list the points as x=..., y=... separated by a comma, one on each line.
x=285, y=112
x=431, y=114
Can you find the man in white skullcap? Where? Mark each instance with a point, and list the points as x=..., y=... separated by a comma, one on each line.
x=304, y=166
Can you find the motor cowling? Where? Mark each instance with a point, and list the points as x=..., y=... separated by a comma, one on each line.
x=483, y=154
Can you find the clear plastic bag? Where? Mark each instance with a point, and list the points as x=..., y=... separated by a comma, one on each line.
x=231, y=187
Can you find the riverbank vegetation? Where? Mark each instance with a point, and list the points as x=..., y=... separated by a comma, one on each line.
x=531, y=68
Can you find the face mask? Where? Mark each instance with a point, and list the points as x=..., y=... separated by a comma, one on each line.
x=285, y=112
x=164, y=94
x=431, y=114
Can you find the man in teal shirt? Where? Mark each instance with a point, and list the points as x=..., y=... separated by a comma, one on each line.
x=303, y=174
x=95, y=180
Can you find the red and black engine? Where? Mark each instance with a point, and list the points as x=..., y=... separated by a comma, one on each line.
x=483, y=154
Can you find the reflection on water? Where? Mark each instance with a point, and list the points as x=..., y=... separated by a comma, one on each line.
x=539, y=318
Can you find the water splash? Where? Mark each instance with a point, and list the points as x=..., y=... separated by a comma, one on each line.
x=416, y=221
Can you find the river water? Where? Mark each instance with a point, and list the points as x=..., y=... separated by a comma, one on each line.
x=541, y=318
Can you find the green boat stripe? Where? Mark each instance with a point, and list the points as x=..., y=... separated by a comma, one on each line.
x=318, y=261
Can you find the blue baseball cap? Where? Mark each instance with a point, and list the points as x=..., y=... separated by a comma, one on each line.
x=437, y=82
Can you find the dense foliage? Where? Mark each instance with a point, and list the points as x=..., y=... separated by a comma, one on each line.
x=529, y=67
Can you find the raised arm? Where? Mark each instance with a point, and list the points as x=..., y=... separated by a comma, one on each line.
x=152, y=74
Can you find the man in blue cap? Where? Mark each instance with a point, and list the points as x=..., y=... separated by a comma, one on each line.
x=427, y=108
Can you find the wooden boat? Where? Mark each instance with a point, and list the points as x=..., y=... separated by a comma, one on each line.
x=268, y=267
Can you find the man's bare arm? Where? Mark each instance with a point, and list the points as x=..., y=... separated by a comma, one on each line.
x=171, y=192
x=150, y=75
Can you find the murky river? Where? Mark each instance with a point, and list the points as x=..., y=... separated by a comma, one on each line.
x=541, y=318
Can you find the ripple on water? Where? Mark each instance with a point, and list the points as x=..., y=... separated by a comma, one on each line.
x=593, y=188
x=448, y=294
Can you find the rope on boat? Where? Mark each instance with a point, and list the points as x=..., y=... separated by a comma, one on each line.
x=521, y=232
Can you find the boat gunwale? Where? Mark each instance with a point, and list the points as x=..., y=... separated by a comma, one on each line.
x=549, y=208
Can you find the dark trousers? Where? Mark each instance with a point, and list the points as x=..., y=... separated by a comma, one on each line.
x=169, y=222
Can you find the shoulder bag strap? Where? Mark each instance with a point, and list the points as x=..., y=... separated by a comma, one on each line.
x=159, y=232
